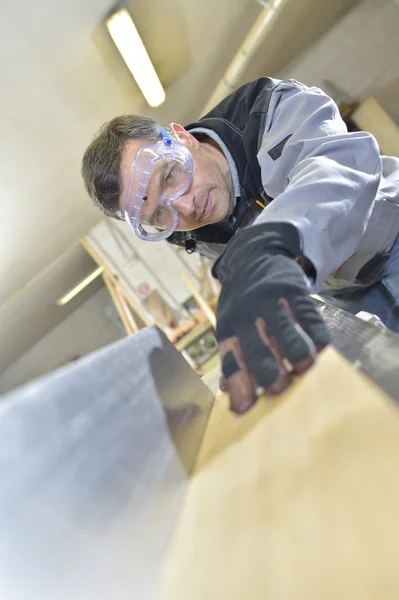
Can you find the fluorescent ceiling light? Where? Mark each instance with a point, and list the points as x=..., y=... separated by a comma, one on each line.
x=128, y=41
x=78, y=288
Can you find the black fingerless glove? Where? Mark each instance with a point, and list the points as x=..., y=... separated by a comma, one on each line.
x=257, y=270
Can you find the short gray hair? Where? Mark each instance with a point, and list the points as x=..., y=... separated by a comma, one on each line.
x=102, y=159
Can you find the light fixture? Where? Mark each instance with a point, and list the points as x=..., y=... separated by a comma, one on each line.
x=78, y=288
x=128, y=41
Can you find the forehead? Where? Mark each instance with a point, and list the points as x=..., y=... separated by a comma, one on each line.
x=129, y=151
x=127, y=157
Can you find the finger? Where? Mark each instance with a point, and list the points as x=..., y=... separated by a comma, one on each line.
x=294, y=343
x=265, y=366
x=284, y=379
x=222, y=383
x=237, y=379
x=241, y=391
x=312, y=323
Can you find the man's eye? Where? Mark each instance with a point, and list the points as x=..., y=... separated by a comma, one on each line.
x=169, y=176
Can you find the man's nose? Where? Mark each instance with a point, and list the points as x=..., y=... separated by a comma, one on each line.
x=184, y=205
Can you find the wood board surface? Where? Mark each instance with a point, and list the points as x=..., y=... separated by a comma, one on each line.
x=296, y=500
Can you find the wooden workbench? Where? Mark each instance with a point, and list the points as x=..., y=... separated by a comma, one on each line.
x=296, y=500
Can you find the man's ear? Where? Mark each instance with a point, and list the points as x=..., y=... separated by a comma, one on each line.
x=184, y=136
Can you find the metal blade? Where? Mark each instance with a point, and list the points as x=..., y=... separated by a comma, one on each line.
x=94, y=464
x=374, y=350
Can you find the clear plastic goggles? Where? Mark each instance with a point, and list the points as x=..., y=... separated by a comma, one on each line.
x=160, y=173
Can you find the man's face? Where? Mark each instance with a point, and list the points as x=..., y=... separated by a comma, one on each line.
x=210, y=197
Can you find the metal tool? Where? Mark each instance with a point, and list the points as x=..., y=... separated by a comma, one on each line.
x=372, y=348
x=94, y=462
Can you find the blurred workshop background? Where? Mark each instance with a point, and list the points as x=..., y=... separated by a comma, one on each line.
x=72, y=281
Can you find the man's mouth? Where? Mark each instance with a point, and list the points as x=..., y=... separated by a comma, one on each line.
x=207, y=207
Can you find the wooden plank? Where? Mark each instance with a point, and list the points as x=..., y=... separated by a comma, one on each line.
x=135, y=307
x=123, y=312
x=202, y=303
x=137, y=310
x=296, y=500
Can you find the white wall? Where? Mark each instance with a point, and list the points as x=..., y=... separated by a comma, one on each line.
x=360, y=55
x=88, y=328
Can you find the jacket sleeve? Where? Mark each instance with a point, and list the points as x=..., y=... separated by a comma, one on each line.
x=323, y=179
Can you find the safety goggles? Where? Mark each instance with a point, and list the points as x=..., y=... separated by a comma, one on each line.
x=160, y=173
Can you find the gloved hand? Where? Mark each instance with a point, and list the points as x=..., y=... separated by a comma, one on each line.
x=264, y=314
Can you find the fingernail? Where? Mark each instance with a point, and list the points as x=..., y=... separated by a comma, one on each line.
x=244, y=406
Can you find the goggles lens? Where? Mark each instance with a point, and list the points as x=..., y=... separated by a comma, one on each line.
x=168, y=180
x=160, y=173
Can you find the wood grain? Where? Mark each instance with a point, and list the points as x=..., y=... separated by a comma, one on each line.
x=296, y=500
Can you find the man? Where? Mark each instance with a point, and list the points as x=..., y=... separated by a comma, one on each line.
x=272, y=186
